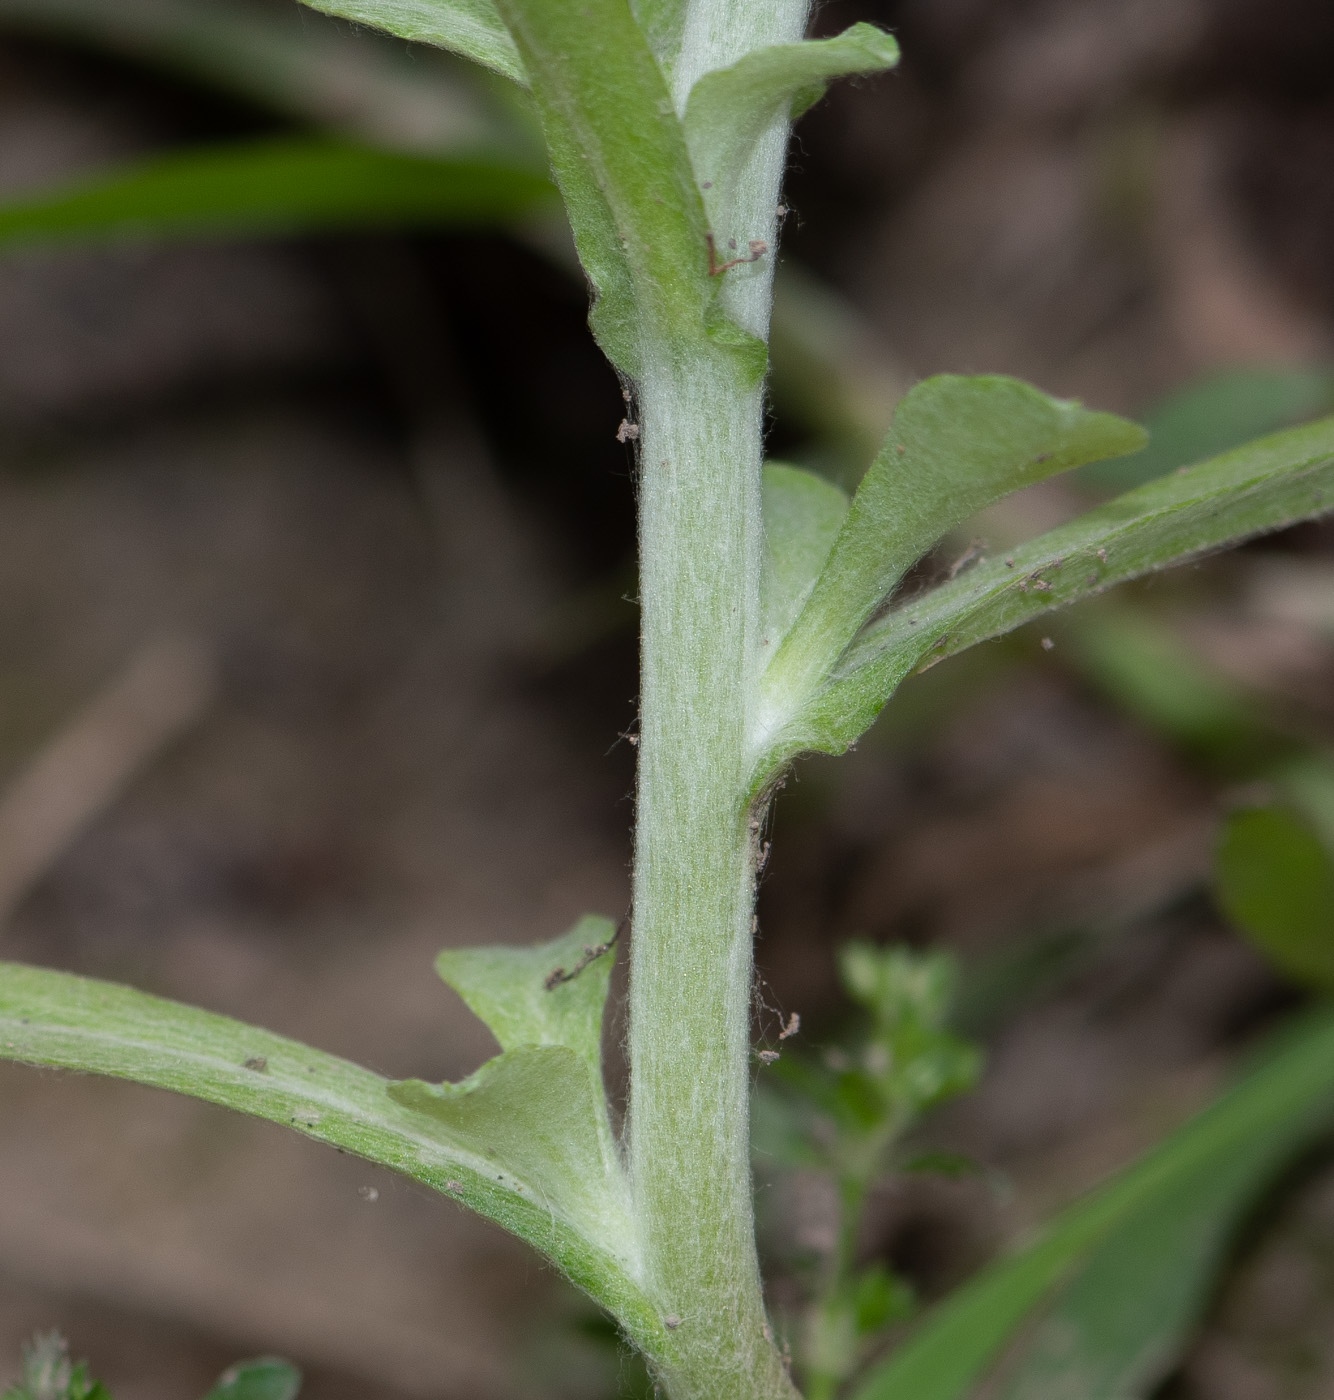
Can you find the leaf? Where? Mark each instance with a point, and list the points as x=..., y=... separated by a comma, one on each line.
x=52, y=1018
x=802, y=515
x=554, y=994
x=731, y=110
x=265, y=1379
x=275, y=186
x=620, y=158
x=1119, y=1328
x=472, y=28
x=1282, y=1102
x=361, y=85
x=663, y=23
x=1264, y=486
x=533, y=1112
x=1308, y=784
x=551, y=994
x=1275, y=883
x=956, y=445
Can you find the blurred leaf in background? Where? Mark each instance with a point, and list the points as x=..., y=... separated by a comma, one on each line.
x=1275, y=884
x=282, y=57
x=846, y=1114
x=1138, y=659
x=412, y=138
x=1107, y=1334
x=277, y=185
x=264, y=1379
x=1213, y=415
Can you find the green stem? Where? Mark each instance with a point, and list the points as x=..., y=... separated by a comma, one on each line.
x=694, y=878
x=832, y=1349
x=701, y=425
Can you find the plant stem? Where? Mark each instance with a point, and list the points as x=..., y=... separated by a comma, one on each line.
x=694, y=877
x=700, y=532
x=831, y=1342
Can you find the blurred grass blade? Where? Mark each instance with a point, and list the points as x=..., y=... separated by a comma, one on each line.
x=1151, y=673
x=1262, y=486
x=1119, y=1328
x=1281, y=1103
x=472, y=28
x=1213, y=416
x=287, y=185
x=265, y=1379
x=731, y=110
x=832, y=373
x=52, y=1018
x=361, y=85
x=1275, y=883
x=956, y=445
x=802, y=516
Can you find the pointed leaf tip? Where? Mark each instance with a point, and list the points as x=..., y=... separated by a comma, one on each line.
x=731, y=110
x=1260, y=487
x=471, y=28
x=552, y=994
x=957, y=445
x=546, y=1002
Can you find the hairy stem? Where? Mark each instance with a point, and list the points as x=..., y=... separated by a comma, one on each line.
x=694, y=877
x=701, y=450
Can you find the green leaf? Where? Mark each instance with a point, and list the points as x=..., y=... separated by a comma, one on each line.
x=472, y=28
x=731, y=110
x=265, y=1379
x=911, y=1060
x=620, y=158
x=802, y=516
x=551, y=994
x=880, y=1297
x=1272, y=1111
x=1263, y=486
x=956, y=445
x=554, y=994
x=275, y=186
x=364, y=86
x=1308, y=784
x=1275, y=883
x=663, y=23
x=1119, y=1328
x=533, y=1113
x=52, y=1018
